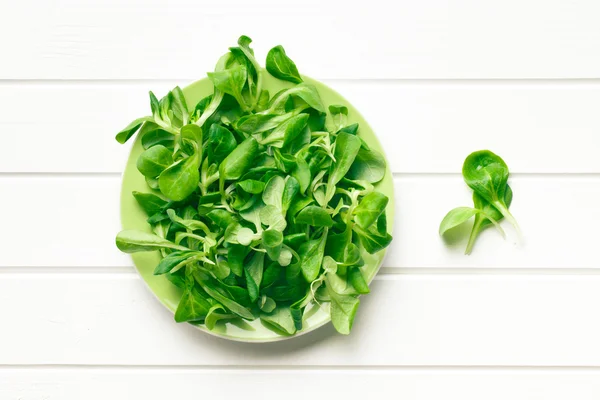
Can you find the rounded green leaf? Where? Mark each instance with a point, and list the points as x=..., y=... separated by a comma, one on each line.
x=312, y=253
x=351, y=255
x=222, y=218
x=456, y=217
x=156, y=136
x=245, y=236
x=258, y=123
x=343, y=311
x=285, y=257
x=215, y=314
x=307, y=93
x=335, y=109
x=346, y=150
x=488, y=209
x=149, y=202
x=273, y=193
x=131, y=129
x=254, y=272
x=181, y=179
x=191, y=133
x=192, y=307
x=290, y=190
x=152, y=183
x=209, y=287
x=372, y=240
x=220, y=143
x=230, y=81
x=174, y=261
x=267, y=304
x=329, y=265
x=314, y=216
x=133, y=241
x=302, y=173
x=286, y=132
x=368, y=165
x=357, y=280
x=369, y=209
x=251, y=186
x=239, y=160
x=154, y=161
x=353, y=130
x=280, y=319
x=281, y=66
x=272, y=240
x=486, y=173
x=221, y=269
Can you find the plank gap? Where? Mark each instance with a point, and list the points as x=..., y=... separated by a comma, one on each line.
x=424, y=175
x=376, y=81
x=385, y=273
x=307, y=368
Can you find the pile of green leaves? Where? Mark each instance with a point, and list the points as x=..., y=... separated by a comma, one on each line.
x=262, y=204
x=487, y=174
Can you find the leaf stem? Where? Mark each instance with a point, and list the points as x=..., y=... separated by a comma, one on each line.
x=294, y=254
x=474, y=233
x=509, y=217
x=258, y=70
x=212, y=107
x=258, y=83
x=496, y=224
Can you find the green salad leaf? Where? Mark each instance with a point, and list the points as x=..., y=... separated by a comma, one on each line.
x=487, y=174
x=281, y=66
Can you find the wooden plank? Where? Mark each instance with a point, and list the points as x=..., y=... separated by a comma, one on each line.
x=537, y=128
x=407, y=320
x=75, y=220
x=408, y=384
x=101, y=39
x=556, y=215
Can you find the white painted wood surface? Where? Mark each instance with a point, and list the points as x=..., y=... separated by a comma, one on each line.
x=430, y=126
x=99, y=39
x=419, y=384
x=62, y=207
x=436, y=79
x=407, y=320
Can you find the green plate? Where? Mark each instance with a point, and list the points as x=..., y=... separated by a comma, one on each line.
x=133, y=217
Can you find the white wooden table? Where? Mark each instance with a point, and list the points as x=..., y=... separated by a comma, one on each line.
x=436, y=79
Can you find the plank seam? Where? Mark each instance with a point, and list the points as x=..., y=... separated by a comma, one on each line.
x=400, y=175
x=308, y=368
x=409, y=81
x=384, y=274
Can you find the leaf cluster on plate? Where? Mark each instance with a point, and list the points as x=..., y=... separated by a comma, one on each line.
x=261, y=205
